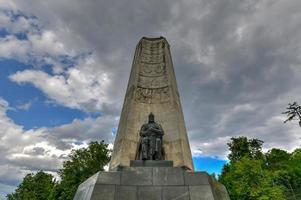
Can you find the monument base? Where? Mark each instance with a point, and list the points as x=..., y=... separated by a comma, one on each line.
x=151, y=163
x=151, y=183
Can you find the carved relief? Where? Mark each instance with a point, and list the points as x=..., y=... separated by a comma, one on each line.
x=150, y=95
x=152, y=45
x=152, y=82
x=152, y=52
x=152, y=69
x=152, y=58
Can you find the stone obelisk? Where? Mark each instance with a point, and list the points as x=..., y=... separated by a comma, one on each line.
x=152, y=88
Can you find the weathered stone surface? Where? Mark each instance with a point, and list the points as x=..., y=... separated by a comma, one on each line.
x=201, y=192
x=151, y=163
x=137, y=176
x=109, y=178
x=149, y=193
x=175, y=192
x=219, y=190
x=85, y=189
x=148, y=183
x=103, y=192
x=168, y=176
x=126, y=193
x=152, y=88
x=196, y=178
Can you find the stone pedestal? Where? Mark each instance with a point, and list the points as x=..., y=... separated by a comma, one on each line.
x=151, y=183
x=151, y=163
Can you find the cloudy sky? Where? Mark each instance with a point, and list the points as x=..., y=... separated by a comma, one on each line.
x=64, y=67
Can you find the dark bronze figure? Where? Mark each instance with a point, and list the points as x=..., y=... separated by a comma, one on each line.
x=151, y=146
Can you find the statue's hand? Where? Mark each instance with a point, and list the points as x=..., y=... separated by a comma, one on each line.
x=152, y=129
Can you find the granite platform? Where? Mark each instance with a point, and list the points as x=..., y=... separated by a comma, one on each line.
x=151, y=183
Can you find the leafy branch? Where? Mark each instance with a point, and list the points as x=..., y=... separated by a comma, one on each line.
x=293, y=111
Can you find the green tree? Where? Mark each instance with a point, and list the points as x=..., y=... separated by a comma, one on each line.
x=82, y=164
x=242, y=146
x=247, y=180
x=293, y=172
x=37, y=186
x=277, y=159
x=252, y=175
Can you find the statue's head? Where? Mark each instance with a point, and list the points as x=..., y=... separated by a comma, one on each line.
x=151, y=118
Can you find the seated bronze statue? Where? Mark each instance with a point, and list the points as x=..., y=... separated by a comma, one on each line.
x=150, y=145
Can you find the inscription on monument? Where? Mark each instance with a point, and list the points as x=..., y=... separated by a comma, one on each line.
x=152, y=84
x=148, y=95
x=152, y=58
x=152, y=69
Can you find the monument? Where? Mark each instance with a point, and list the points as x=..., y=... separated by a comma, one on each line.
x=152, y=88
x=151, y=158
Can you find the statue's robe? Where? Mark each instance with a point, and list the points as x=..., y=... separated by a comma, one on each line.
x=150, y=145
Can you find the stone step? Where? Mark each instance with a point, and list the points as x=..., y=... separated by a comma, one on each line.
x=151, y=163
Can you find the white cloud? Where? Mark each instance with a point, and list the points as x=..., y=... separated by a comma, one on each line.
x=79, y=87
x=47, y=43
x=213, y=148
x=24, y=106
x=11, y=47
x=7, y=4
x=4, y=20
x=23, y=151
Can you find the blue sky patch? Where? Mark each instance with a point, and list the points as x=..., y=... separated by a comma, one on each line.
x=208, y=164
x=39, y=113
x=3, y=33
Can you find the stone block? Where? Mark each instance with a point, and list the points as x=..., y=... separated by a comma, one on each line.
x=110, y=178
x=175, y=192
x=218, y=189
x=103, y=192
x=126, y=193
x=151, y=183
x=196, y=178
x=151, y=163
x=149, y=193
x=84, y=192
x=168, y=176
x=137, y=176
x=201, y=192
x=85, y=189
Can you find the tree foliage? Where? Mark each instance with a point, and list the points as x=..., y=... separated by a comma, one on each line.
x=37, y=186
x=242, y=146
x=247, y=180
x=277, y=159
x=252, y=174
x=82, y=164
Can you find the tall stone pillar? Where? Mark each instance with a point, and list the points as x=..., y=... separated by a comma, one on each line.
x=152, y=88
